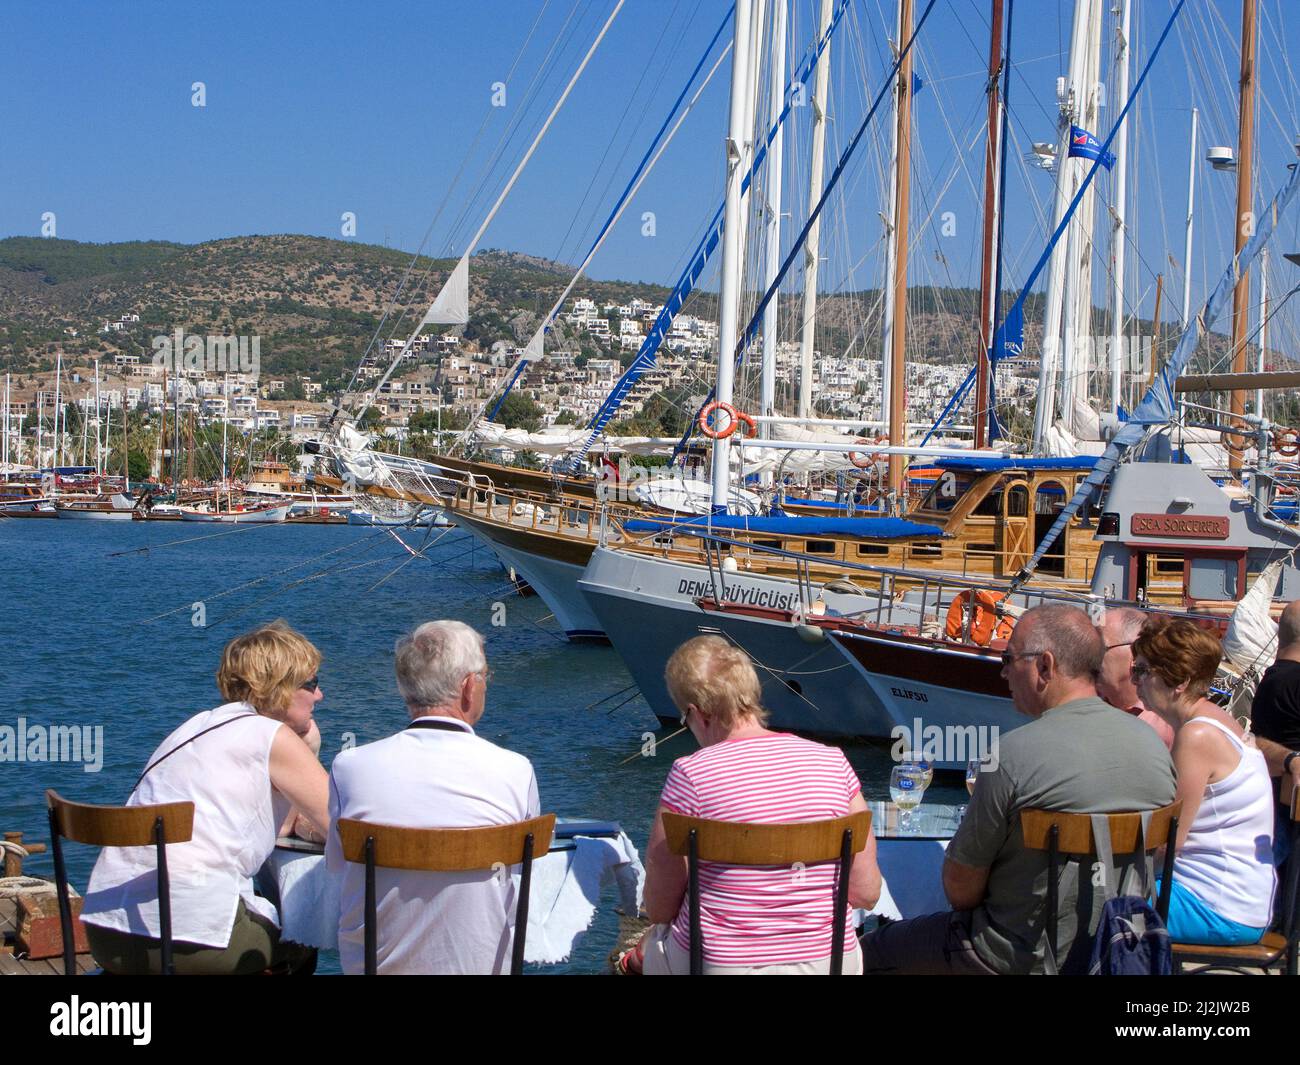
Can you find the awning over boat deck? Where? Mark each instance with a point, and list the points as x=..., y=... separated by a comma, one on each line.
x=863, y=528
x=1078, y=463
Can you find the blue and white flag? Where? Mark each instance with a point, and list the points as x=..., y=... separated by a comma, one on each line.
x=1009, y=340
x=1083, y=145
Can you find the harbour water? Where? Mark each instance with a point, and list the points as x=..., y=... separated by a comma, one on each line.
x=119, y=627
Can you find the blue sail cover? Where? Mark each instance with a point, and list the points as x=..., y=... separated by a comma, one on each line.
x=1074, y=463
x=1157, y=405
x=865, y=528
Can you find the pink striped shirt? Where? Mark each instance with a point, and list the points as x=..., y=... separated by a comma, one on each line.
x=763, y=915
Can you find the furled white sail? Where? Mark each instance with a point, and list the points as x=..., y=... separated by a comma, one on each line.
x=1251, y=640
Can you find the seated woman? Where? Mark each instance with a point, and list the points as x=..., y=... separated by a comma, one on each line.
x=753, y=919
x=242, y=765
x=1223, y=870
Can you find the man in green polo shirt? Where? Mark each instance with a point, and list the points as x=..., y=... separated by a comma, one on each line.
x=1077, y=754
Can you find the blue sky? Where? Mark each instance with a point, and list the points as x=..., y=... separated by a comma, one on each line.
x=314, y=109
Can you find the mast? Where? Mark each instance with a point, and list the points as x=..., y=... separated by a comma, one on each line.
x=1076, y=346
x=99, y=445
x=903, y=185
x=1245, y=217
x=5, y=458
x=733, y=237
x=1119, y=232
x=58, y=377
x=1187, y=246
x=820, y=104
x=988, y=258
x=1071, y=94
x=1263, y=326
x=891, y=228
x=772, y=184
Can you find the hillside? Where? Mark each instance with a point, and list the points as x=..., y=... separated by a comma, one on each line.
x=316, y=302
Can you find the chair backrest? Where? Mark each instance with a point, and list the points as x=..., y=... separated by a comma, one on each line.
x=117, y=826
x=741, y=843
x=120, y=826
x=1074, y=831
x=1064, y=832
x=445, y=850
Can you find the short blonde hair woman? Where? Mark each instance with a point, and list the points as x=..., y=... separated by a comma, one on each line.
x=746, y=772
x=241, y=765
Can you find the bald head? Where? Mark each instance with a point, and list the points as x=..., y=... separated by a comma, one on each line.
x=1068, y=633
x=1288, y=630
x=1123, y=624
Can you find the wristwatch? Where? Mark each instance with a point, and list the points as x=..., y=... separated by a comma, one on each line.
x=1286, y=762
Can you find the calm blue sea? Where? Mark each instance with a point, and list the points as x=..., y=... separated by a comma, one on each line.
x=99, y=626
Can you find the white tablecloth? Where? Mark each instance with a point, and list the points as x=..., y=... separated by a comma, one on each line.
x=562, y=902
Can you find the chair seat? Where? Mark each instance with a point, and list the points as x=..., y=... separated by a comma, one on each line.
x=1268, y=949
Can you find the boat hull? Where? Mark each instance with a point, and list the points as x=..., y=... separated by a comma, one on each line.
x=555, y=580
x=648, y=608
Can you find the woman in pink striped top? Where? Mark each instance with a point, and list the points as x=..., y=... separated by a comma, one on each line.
x=753, y=919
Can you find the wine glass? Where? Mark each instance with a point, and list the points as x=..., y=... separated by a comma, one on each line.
x=907, y=783
x=917, y=758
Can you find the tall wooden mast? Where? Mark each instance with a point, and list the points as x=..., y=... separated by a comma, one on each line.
x=897, y=370
x=1245, y=215
x=988, y=259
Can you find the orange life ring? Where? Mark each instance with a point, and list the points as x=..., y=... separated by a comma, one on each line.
x=748, y=419
x=706, y=427
x=1286, y=442
x=870, y=460
x=984, y=625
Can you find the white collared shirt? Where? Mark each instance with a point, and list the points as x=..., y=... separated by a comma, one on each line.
x=445, y=923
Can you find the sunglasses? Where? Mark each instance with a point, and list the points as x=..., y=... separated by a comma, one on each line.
x=1139, y=672
x=1010, y=656
x=311, y=684
x=1126, y=643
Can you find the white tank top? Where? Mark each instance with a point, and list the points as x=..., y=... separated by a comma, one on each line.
x=226, y=774
x=1227, y=861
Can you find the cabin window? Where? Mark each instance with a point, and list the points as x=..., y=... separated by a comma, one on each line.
x=872, y=549
x=981, y=549
x=1018, y=502
x=927, y=550
x=821, y=547
x=949, y=487
x=991, y=505
x=774, y=544
x=1168, y=564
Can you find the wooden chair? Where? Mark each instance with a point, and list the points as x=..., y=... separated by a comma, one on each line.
x=1275, y=950
x=445, y=850
x=1060, y=832
x=737, y=843
x=117, y=826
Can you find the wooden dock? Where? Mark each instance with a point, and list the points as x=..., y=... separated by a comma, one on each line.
x=12, y=966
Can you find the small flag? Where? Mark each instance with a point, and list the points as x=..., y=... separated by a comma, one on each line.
x=1083, y=145
x=917, y=83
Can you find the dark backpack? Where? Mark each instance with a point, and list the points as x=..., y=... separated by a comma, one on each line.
x=1131, y=940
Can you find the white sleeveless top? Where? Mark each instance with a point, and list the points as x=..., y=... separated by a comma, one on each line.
x=226, y=774
x=1227, y=861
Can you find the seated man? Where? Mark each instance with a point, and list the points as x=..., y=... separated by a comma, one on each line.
x=435, y=774
x=1119, y=629
x=1275, y=722
x=1077, y=754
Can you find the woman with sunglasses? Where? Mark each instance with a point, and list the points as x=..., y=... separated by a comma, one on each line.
x=1223, y=870
x=244, y=766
